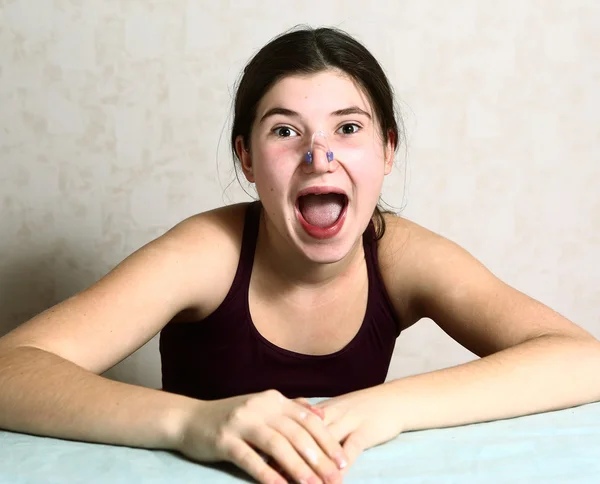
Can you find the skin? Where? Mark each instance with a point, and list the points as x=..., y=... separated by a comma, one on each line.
x=305, y=295
x=274, y=164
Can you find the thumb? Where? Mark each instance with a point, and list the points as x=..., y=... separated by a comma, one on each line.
x=354, y=445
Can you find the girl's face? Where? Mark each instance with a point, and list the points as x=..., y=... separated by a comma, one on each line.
x=321, y=208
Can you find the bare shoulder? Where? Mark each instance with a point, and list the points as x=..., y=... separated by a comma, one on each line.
x=406, y=244
x=207, y=246
x=224, y=224
x=399, y=252
x=189, y=268
x=212, y=243
x=219, y=230
x=429, y=276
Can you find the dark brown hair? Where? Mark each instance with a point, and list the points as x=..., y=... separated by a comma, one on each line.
x=305, y=50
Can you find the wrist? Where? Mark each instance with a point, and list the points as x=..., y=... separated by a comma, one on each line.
x=177, y=418
x=393, y=398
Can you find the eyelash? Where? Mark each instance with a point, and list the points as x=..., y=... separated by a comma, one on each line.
x=357, y=126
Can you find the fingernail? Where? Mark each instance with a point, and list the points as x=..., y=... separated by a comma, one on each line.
x=340, y=461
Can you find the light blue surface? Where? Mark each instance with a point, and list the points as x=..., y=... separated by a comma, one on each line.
x=555, y=447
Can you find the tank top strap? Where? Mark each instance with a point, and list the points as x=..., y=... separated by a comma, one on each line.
x=249, y=238
x=370, y=248
x=377, y=288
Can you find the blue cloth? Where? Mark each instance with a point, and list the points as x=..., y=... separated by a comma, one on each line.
x=555, y=447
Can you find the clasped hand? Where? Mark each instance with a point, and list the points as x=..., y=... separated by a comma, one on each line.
x=274, y=438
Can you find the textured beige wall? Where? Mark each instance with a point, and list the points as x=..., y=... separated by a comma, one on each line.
x=112, y=112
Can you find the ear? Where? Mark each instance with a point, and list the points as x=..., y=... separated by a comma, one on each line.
x=390, y=149
x=243, y=154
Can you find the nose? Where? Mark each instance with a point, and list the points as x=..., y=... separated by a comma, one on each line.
x=319, y=158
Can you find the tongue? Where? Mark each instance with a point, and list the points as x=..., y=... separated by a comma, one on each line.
x=321, y=210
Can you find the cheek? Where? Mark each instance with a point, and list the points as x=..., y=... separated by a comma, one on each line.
x=367, y=165
x=273, y=168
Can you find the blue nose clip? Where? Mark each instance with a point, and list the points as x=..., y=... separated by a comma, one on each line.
x=309, y=155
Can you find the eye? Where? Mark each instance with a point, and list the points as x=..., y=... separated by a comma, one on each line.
x=285, y=132
x=349, y=128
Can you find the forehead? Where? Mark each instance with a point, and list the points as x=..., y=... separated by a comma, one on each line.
x=325, y=91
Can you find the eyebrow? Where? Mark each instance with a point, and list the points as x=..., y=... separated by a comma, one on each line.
x=288, y=112
x=351, y=110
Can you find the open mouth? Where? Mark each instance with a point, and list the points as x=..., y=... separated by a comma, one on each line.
x=322, y=214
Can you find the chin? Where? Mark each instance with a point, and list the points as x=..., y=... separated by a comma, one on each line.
x=326, y=254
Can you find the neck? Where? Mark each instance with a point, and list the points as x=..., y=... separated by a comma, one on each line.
x=285, y=265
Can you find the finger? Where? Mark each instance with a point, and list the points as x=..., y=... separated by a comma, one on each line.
x=303, y=401
x=281, y=450
x=341, y=429
x=242, y=455
x=330, y=412
x=308, y=448
x=319, y=412
x=354, y=445
x=322, y=436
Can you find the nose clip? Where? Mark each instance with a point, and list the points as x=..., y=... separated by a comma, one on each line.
x=322, y=136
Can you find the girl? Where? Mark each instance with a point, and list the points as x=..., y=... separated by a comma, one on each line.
x=301, y=294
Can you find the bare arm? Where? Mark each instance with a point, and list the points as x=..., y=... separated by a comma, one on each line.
x=543, y=374
x=533, y=359
x=45, y=394
x=50, y=366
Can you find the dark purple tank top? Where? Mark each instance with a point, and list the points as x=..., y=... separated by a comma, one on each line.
x=224, y=355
